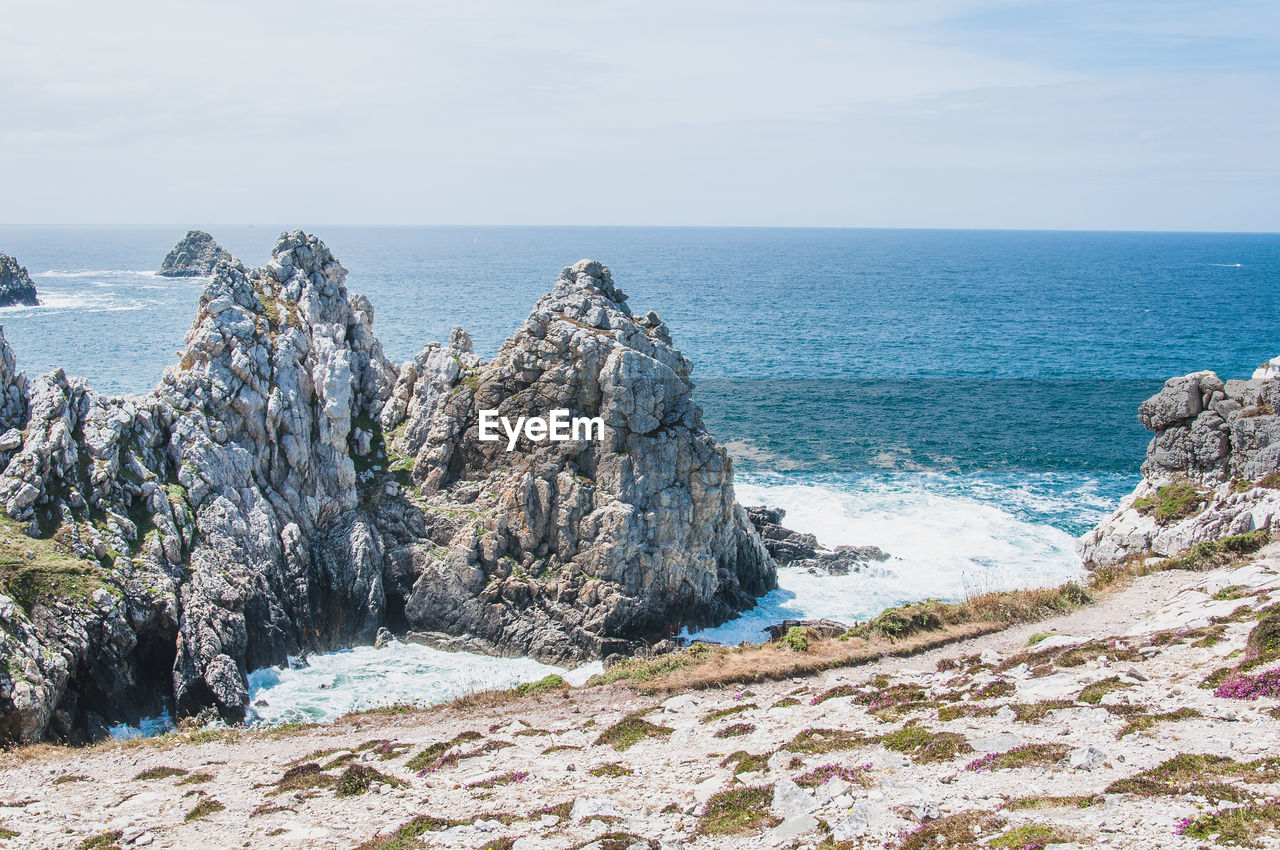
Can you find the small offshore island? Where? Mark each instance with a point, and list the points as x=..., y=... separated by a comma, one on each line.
x=287, y=490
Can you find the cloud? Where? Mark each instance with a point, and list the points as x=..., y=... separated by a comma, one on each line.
x=912, y=112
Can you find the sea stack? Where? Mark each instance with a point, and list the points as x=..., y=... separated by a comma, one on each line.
x=580, y=549
x=195, y=255
x=16, y=287
x=1212, y=470
x=286, y=489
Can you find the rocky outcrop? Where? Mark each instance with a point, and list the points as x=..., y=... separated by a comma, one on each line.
x=195, y=255
x=285, y=490
x=576, y=549
x=16, y=287
x=1212, y=469
x=796, y=549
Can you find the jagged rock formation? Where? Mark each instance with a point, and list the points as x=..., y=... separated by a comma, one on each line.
x=1212, y=470
x=16, y=286
x=286, y=489
x=574, y=549
x=195, y=255
x=796, y=549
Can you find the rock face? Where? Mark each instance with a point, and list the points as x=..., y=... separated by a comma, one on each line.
x=196, y=255
x=577, y=549
x=15, y=284
x=793, y=548
x=285, y=489
x=1212, y=465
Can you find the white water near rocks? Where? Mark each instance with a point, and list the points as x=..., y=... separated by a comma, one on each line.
x=942, y=545
x=336, y=683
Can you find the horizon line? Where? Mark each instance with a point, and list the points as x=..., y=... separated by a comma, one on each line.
x=943, y=229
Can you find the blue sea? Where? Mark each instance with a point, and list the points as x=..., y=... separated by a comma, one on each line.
x=966, y=400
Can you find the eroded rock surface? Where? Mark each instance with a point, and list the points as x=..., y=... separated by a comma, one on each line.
x=286, y=489
x=1210, y=471
x=797, y=549
x=195, y=255
x=16, y=286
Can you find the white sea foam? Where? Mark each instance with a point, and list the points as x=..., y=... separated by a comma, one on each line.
x=146, y=727
x=943, y=546
x=78, y=273
x=354, y=679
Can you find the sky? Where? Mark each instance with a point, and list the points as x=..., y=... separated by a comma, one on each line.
x=1146, y=115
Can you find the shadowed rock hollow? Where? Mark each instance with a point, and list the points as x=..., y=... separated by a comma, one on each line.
x=287, y=489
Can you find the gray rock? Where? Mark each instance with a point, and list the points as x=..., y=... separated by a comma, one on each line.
x=585, y=548
x=997, y=743
x=794, y=548
x=286, y=490
x=1085, y=758
x=790, y=800
x=1220, y=438
x=16, y=286
x=195, y=255
x=793, y=827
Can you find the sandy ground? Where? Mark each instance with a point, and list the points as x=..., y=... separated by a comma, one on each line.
x=540, y=754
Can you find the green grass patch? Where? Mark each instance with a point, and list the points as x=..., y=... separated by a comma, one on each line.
x=102, y=841
x=820, y=741
x=744, y=762
x=203, y=809
x=1202, y=775
x=303, y=777
x=797, y=638
x=357, y=778
x=1171, y=503
x=737, y=810
x=160, y=773
x=36, y=570
x=631, y=730
x=1032, y=836
x=925, y=746
x=1241, y=827
x=721, y=713
x=1051, y=802
x=612, y=770
x=960, y=830
x=405, y=837
x=1094, y=693
x=735, y=730
x=429, y=756
x=1144, y=721
x=195, y=779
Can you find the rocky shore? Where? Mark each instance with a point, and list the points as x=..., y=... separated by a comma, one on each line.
x=1212, y=469
x=286, y=489
x=1124, y=724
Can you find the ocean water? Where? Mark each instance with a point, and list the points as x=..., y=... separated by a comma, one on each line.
x=965, y=400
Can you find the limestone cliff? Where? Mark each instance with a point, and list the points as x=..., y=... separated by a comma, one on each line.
x=1212, y=470
x=286, y=489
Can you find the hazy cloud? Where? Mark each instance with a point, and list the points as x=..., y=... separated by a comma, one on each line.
x=908, y=113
